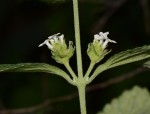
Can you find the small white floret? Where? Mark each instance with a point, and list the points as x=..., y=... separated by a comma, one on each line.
x=46, y=42
x=52, y=36
x=52, y=40
x=103, y=39
x=98, y=37
x=42, y=44
x=104, y=35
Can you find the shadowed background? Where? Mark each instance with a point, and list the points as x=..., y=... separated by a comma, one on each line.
x=24, y=24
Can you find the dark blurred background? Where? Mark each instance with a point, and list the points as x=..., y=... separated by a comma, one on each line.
x=24, y=24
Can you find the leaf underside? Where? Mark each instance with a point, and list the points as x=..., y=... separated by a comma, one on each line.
x=135, y=101
x=129, y=56
x=35, y=67
x=124, y=57
x=31, y=67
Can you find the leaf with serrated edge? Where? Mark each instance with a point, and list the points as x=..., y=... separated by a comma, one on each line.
x=135, y=101
x=129, y=56
x=35, y=67
x=122, y=58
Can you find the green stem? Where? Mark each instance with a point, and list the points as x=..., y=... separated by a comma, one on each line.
x=81, y=82
x=82, y=99
x=97, y=71
x=67, y=65
x=89, y=71
x=77, y=38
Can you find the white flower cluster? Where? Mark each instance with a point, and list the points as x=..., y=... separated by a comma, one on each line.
x=103, y=39
x=61, y=53
x=52, y=40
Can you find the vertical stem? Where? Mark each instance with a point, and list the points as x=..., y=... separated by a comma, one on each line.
x=81, y=85
x=82, y=99
x=77, y=38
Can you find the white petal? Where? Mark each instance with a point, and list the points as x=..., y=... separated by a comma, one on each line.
x=42, y=43
x=57, y=34
x=106, y=38
x=104, y=35
x=97, y=37
x=61, y=38
x=50, y=37
x=48, y=44
x=112, y=41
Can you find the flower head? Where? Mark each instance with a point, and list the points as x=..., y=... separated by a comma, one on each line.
x=97, y=49
x=52, y=40
x=60, y=52
x=103, y=39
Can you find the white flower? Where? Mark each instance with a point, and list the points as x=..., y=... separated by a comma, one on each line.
x=52, y=40
x=61, y=53
x=103, y=39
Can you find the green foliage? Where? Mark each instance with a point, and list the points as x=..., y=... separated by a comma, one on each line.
x=129, y=56
x=124, y=57
x=135, y=101
x=29, y=67
x=25, y=23
x=147, y=64
x=34, y=67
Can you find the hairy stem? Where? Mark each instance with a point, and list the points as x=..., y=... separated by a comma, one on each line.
x=77, y=38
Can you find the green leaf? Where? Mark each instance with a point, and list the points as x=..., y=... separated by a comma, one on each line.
x=147, y=64
x=135, y=101
x=129, y=56
x=34, y=67
x=122, y=58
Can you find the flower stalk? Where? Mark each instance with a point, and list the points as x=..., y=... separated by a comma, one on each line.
x=67, y=65
x=86, y=76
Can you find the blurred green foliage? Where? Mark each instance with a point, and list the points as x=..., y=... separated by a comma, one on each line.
x=135, y=101
x=24, y=24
